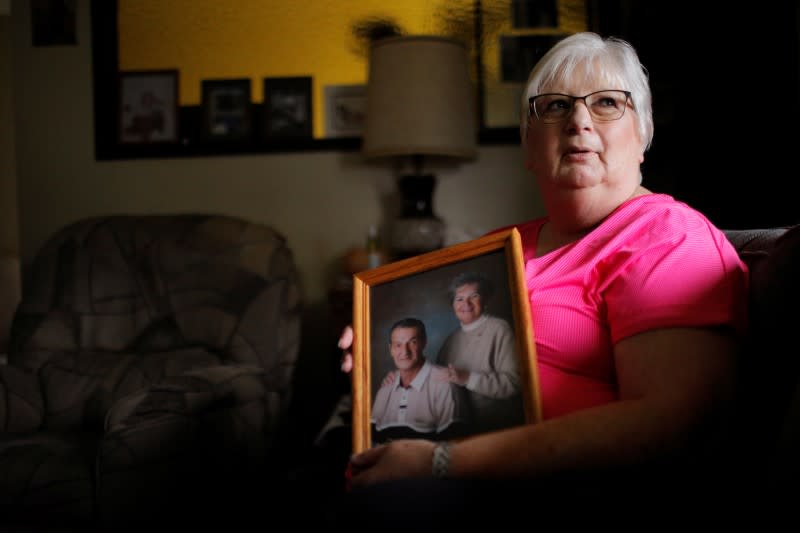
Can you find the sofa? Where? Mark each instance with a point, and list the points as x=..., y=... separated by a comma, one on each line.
x=149, y=373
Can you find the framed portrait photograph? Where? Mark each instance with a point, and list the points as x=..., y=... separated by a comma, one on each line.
x=345, y=106
x=226, y=109
x=148, y=106
x=287, y=108
x=443, y=344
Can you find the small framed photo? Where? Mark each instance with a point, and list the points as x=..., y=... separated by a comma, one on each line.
x=287, y=108
x=443, y=344
x=148, y=106
x=226, y=109
x=345, y=106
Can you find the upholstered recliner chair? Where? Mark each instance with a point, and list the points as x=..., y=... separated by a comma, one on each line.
x=149, y=372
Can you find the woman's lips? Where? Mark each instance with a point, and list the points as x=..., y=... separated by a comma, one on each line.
x=578, y=155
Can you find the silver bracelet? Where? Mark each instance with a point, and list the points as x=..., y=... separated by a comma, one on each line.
x=440, y=465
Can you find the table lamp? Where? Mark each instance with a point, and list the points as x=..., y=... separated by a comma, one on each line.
x=420, y=104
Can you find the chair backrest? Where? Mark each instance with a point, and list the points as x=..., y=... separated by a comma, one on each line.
x=159, y=294
x=771, y=363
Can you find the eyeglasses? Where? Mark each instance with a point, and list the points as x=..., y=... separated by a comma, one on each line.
x=603, y=106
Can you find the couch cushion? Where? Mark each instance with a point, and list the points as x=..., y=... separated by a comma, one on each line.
x=80, y=387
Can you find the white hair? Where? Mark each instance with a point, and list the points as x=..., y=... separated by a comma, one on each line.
x=610, y=60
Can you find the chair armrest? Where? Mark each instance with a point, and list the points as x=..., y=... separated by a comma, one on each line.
x=191, y=393
x=21, y=402
x=182, y=439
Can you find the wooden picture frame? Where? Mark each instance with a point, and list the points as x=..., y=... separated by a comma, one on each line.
x=227, y=110
x=287, y=108
x=148, y=106
x=418, y=287
x=345, y=109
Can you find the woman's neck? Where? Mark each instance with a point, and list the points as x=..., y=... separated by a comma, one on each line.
x=567, y=224
x=551, y=238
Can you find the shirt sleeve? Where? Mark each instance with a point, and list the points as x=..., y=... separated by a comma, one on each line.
x=680, y=273
x=503, y=380
x=447, y=411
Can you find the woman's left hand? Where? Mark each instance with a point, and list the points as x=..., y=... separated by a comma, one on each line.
x=398, y=459
x=457, y=375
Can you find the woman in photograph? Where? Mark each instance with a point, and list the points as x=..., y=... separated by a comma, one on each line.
x=480, y=355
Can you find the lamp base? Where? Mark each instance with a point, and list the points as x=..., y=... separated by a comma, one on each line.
x=417, y=230
x=416, y=235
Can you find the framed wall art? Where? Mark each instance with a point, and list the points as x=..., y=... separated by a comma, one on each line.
x=411, y=321
x=287, y=108
x=226, y=110
x=345, y=106
x=148, y=106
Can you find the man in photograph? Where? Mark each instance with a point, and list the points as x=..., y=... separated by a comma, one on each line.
x=413, y=404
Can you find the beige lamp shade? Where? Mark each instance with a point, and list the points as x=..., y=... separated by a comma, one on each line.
x=420, y=100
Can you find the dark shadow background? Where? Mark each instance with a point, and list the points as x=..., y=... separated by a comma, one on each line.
x=725, y=96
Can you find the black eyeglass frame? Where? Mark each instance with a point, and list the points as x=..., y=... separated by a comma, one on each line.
x=532, y=108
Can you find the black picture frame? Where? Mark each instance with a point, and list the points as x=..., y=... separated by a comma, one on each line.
x=227, y=110
x=148, y=106
x=534, y=14
x=53, y=22
x=417, y=287
x=519, y=54
x=287, y=108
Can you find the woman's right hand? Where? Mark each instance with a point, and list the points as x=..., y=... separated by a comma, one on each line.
x=346, y=345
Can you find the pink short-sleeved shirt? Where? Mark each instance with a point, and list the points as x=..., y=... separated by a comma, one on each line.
x=653, y=263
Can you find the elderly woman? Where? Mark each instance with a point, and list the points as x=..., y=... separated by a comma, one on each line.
x=636, y=301
x=480, y=355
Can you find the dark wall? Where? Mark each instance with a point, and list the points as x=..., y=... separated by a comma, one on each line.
x=726, y=99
